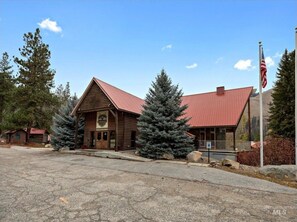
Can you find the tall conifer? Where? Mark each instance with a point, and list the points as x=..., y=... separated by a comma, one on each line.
x=35, y=81
x=282, y=108
x=6, y=87
x=161, y=125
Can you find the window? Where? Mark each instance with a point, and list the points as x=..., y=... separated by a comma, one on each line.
x=99, y=136
x=92, y=144
x=105, y=134
x=133, y=138
x=112, y=139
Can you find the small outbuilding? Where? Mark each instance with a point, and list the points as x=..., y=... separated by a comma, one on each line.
x=16, y=136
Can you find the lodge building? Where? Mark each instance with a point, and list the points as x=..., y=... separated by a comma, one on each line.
x=111, y=116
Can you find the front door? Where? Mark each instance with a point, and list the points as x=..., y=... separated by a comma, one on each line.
x=102, y=140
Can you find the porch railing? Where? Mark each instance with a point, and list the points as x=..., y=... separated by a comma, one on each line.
x=224, y=144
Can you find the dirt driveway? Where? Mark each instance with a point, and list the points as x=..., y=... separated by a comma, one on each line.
x=41, y=185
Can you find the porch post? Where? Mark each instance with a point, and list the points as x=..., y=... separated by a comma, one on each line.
x=249, y=120
x=117, y=130
x=234, y=142
x=75, y=135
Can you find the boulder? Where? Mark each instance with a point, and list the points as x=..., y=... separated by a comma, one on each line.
x=288, y=172
x=167, y=156
x=231, y=163
x=48, y=145
x=65, y=148
x=194, y=156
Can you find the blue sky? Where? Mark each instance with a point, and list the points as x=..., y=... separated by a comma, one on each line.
x=201, y=44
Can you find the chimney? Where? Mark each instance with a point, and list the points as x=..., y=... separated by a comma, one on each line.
x=220, y=90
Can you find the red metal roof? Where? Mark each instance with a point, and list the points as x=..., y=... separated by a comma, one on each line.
x=210, y=109
x=37, y=131
x=121, y=99
x=205, y=110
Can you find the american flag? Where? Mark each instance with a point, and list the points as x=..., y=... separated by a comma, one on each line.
x=263, y=71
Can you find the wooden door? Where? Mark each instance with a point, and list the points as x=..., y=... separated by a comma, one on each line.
x=102, y=140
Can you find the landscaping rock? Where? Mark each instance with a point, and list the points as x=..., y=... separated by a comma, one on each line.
x=194, y=156
x=231, y=163
x=214, y=164
x=48, y=145
x=64, y=148
x=281, y=172
x=167, y=156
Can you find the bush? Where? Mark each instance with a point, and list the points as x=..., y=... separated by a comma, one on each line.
x=277, y=151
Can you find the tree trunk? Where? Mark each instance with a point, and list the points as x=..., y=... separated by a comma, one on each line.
x=28, y=134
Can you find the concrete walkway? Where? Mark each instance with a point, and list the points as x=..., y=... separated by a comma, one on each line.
x=107, y=154
x=178, y=170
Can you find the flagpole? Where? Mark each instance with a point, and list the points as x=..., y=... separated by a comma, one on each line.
x=261, y=106
x=295, y=96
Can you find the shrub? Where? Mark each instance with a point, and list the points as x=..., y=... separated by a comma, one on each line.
x=277, y=151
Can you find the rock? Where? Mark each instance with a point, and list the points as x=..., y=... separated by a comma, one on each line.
x=65, y=148
x=288, y=172
x=247, y=168
x=213, y=164
x=136, y=152
x=194, y=156
x=231, y=163
x=167, y=156
x=48, y=145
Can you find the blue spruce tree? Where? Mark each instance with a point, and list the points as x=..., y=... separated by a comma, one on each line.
x=161, y=125
x=63, y=129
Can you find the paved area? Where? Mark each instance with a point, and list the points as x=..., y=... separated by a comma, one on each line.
x=42, y=185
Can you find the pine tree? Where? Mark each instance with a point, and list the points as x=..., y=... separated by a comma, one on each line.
x=63, y=129
x=63, y=93
x=35, y=81
x=6, y=88
x=282, y=108
x=161, y=125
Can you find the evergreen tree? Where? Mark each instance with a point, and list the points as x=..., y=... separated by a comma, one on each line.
x=62, y=93
x=63, y=129
x=6, y=87
x=282, y=108
x=161, y=125
x=35, y=81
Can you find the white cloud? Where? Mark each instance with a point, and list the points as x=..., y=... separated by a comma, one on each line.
x=278, y=55
x=269, y=61
x=50, y=25
x=220, y=59
x=193, y=66
x=167, y=47
x=244, y=64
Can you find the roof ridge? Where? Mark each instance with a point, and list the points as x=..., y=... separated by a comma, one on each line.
x=117, y=88
x=195, y=94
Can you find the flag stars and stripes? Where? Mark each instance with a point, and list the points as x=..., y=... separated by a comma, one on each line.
x=263, y=71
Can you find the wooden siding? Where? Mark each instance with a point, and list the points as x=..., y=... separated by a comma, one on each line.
x=130, y=125
x=94, y=100
x=19, y=137
x=127, y=124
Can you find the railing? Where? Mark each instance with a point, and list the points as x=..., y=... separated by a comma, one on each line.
x=224, y=145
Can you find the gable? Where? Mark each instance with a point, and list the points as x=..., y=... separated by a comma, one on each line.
x=94, y=99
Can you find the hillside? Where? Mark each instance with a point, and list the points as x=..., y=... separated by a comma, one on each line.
x=255, y=104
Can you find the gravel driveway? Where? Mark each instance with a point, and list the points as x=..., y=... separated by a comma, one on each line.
x=42, y=185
